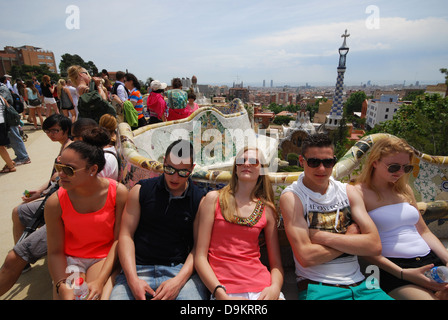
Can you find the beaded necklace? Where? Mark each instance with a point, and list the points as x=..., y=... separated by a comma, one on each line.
x=254, y=217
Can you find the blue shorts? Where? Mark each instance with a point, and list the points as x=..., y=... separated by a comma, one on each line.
x=326, y=292
x=154, y=275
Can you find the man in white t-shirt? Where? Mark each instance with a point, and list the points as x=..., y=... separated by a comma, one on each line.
x=328, y=227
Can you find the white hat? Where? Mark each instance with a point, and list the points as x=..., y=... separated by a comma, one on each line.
x=157, y=85
x=7, y=76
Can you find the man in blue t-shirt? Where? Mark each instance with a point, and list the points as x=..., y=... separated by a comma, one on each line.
x=156, y=236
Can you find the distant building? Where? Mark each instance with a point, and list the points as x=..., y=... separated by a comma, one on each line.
x=241, y=93
x=382, y=110
x=25, y=55
x=440, y=88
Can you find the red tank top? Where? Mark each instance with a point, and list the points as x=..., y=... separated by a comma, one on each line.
x=234, y=254
x=89, y=235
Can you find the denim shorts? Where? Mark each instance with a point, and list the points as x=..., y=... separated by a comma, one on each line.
x=154, y=275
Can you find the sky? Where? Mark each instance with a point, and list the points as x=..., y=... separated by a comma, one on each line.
x=292, y=42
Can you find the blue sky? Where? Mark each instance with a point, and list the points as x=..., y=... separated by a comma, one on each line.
x=288, y=41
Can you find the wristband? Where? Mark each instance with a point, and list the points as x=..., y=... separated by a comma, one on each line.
x=216, y=288
x=58, y=284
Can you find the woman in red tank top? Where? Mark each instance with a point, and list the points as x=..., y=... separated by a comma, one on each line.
x=227, y=255
x=83, y=220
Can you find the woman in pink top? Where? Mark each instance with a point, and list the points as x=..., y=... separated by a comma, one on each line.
x=192, y=106
x=227, y=254
x=83, y=219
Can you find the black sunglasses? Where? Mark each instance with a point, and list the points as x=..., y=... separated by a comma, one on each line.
x=183, y=173
x=315, y=162
x=395, y=167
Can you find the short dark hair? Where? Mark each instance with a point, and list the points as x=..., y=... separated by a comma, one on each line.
x=177, y=83
x=82, y=124
x=64, y=122
x=182, y=149
x=119, y=75
x=191, y=95
x=319, y=140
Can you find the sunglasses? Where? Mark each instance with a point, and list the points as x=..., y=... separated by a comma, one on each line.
x=395, y=167
x=314, y=162
x=253, y=162
x=67, y=170
x=183, y=173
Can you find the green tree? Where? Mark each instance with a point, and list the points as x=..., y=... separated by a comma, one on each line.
x=411, y=96
x=68, y=60
x=445, y=72
x=423, y=124
x=279, y=120
x=275, y=108
x=354, y=102
x=26, y=72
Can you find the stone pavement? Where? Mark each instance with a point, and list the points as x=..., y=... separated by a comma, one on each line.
x=36, y=283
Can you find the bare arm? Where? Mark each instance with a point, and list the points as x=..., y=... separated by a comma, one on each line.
x=365, y=243
x=57, y=263
x=275, y=260
x=306, y=252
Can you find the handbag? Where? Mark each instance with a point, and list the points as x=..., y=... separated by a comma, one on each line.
x=34, y=102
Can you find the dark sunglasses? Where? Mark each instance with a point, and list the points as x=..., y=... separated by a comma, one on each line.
x=183, y=173
x=253, y=162
x=314, y=162
x=67, y=170
x=395, y=167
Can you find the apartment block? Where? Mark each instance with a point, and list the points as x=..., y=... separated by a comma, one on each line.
x=25, y=55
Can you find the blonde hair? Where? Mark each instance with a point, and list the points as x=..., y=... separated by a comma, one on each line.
x=262, y=190
x=61, y=84
x=380, y=149
x=109, y=122
x=73, y=73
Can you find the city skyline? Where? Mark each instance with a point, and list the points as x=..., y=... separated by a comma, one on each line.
x=291, y=42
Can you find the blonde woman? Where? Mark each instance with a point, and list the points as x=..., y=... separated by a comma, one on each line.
x=49, y=100
x=409, y=248
x=67, y=103
x=81, y=78
x=229, y=224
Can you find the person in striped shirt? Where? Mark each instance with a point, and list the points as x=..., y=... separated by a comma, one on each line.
x=132, y=84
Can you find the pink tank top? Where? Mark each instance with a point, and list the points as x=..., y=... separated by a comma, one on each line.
x=234, y=254
x=89, y=235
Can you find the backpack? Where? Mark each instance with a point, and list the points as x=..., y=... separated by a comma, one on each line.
x=92, y=105
x=12, y=117
x=17, y=102
x=115, y=88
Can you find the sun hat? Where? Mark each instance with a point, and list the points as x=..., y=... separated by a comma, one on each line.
x=157, y=85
